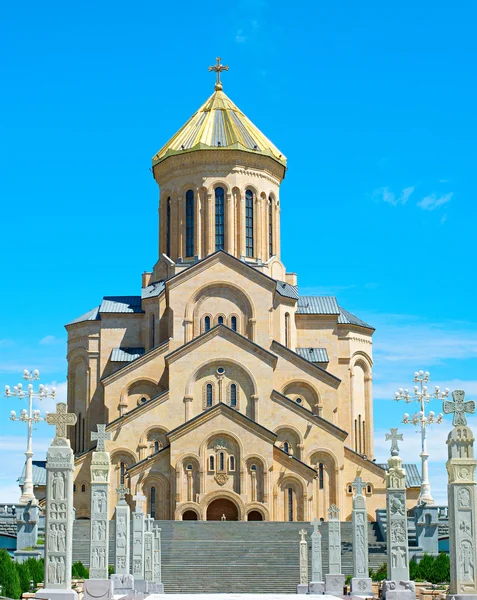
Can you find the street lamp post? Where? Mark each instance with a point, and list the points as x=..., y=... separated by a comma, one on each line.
x=422, y=397
x=29, y=417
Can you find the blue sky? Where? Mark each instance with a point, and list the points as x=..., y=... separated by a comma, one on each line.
x=373, y=104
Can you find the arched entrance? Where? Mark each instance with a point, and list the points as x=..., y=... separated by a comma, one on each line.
x=254, y=515
x=189, y=515
x=220, y=507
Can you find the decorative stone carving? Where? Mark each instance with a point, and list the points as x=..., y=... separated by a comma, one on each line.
x=302, y=587
x=149, y=549
x=398, y=586
x=98, y=589
x=361, y=582
x=461, y=491
x=99, y=546
x=334, y=580
x=157, y=575
x=317, y=584
x=221, y=478
x=138, y=537
x=59, y=510
x=123, y=528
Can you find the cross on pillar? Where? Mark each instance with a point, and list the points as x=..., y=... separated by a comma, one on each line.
x=394, y=436
x=459, y=408
x=139, y=499
x=359, y=485
x=315, y=524
x=333, y=512
x=303, y=535
x=122, y=491
x=218, y=68
x=61, y=419
x=101, y=436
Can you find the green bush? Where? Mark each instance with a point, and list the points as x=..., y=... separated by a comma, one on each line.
x=348, y=579
x=36, y=569
x=111, y=570
x=23, y=575
x=79, y=571
x=9, y=578
x=426, y=568
x=381, y=573
x=413, y=570
x=441, y=568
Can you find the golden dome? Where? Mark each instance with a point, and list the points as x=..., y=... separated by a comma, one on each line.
x=219, y=124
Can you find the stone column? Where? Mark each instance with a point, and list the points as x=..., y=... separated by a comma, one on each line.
x=302, y=587
x=123, y=581
x=397, y=586
x=158, y=586
x=148, y=550
x=138, y=537
x=100, y=468
x=59, y=510
x=461, y=492
x=317, y=585
x=361, y=583
x=334, y=579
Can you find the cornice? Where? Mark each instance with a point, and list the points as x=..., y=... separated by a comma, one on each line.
x=148, y=461
x=364, y=462
x=132, y=366
x=292, y=460
x=138, y=411
x=305, y=365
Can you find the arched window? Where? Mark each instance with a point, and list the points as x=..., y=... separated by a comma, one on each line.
x=270, y=226
x=233, y=395
x=232, y=463
x=320, y=476
x=369, y=490
x=74, y=487
x=153, y=503
x=168, y=227
x=211, y=463
x=233, y=323
x=206, y=323
x=156, y=446
x=221, y=461
x=219, y=218
x=249, y=223
x=190, y=223
x=286, y=447
x=208, y=395
x=220, y=320
x=287, y=330
x=290, y=504
x=122, y=473
x=83, y=488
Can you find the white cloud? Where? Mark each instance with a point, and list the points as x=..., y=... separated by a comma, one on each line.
x=240, y=37
x=434, y=201
x=386, y=195
x=49, y=339
x=49, y=404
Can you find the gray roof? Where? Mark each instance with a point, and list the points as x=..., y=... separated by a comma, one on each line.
x=287, y=290
x=318, y=305
x=348, y=318
x=126, y=354
x=91, y=315
x=413, y=477
x=153, y=289
x=121, y=304
x=39, y=473
x=314, y=355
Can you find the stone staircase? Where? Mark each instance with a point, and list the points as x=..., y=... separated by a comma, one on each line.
x=247, y=557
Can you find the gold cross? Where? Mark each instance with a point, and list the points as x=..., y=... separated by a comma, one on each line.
x=62, y=419
x=218, y=68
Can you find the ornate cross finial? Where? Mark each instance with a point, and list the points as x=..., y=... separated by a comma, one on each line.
x=303, y=535
x=101, y=436
x=333, y=512
x=359, y=485
x=61, y=419
x=122, y=491
x=459, y=408
x=394, y=436
x=218, y=68
x=139, y=499
x=315, y=524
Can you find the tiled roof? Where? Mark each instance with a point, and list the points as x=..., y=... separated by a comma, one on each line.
x=39, y=473
x=92, y=315
x=8, y=528
x=153, y=289
x=348, y=318
x=317, y=305
x=126, y=354
x=413, y=477
x=287, y=290
x=314, y=355
x=121, y=304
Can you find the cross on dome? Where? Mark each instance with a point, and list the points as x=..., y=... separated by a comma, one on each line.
x=218, y=68
x=101, y=436
x=61, y=419
x=394, y=436
x=459, y=408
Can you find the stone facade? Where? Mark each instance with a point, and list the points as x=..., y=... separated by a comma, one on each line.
x=220, y=372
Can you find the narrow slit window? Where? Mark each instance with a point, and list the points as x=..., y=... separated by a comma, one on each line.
x=320, y=476
x=168, y=227
x=153, y=502
x=233, y=395
x=211, y=463
x=222, y=461
x=219, y=218
x=249, y=222
x=233, y=323
x=290, y=504
x=206, y=323
x=208, y=392
x=270, y=226
x=190, y=223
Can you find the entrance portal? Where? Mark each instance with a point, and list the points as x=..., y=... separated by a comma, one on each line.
x=189, y=515
x=254, y=515
x=220, y=507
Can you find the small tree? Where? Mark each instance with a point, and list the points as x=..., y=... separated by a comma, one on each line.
x=23, y=575
x=426, y=568
x=9, y=579
x=441, y=571
x=37, y=569
x=413, y=570
x=381, y=573
x=79, y=571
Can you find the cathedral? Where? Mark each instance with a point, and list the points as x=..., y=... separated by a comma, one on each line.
x=228, y=394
